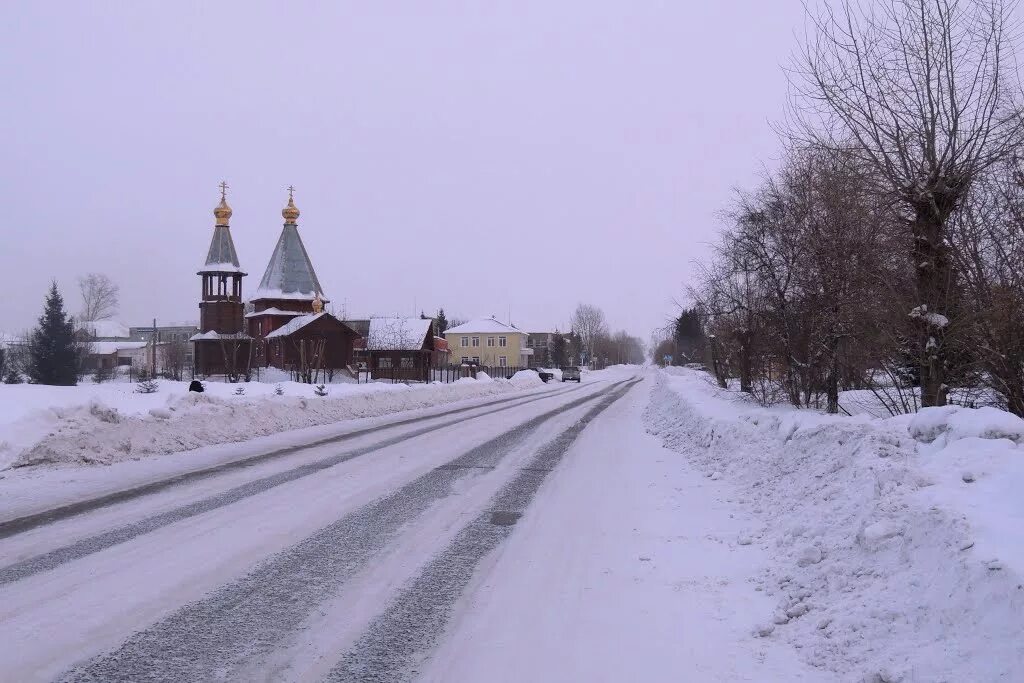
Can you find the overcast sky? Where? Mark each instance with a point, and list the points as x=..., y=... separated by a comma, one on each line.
x=486, y=157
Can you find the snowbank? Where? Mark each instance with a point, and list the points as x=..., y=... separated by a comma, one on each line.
x=526, y=378
x=108, y=423
x=889, y=564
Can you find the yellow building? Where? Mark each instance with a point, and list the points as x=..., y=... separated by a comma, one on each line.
x=490, y=342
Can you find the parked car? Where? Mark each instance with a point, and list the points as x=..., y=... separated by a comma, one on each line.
x=545, y=375
x=571, y=374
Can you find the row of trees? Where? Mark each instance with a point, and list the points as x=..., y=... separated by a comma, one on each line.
x=885, y=252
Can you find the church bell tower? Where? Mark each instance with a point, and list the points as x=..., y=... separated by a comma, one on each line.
x=221, y=309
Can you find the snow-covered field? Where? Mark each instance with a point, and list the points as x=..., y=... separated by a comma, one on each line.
x=111, y=422
x=897, y=544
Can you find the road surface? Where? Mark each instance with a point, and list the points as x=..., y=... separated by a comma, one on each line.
x=219, y=576
x=494, y=542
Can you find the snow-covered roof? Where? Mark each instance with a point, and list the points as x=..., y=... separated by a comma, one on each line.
x=103, y=348
x=484, y=326
x=289, y=273
x=215, y=336
x=109, y=329
x=397, y=334
x=10, y=339
x=271, y=311
x=296, y=324
x=222, y=257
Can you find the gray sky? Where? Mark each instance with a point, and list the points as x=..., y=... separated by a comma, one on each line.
x=483, y=157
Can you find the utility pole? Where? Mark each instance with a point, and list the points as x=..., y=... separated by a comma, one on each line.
x=152, y=357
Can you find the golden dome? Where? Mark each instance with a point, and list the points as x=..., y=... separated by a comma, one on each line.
x=223, y=211
x=290, y=212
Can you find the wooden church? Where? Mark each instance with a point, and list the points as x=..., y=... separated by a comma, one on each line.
x=222, y=345
x=286, y=326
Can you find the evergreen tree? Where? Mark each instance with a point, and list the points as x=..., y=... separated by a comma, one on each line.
x=559, y=351
x=688, y=337
x=13, y=376
x=442, y=322
x=53, y=353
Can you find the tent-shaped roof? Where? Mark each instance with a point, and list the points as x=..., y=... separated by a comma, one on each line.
x=484, y=326
x=397, y=334
x=222, y=257
x=290, y=273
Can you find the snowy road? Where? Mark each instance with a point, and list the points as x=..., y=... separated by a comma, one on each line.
x=215, y=576
x=489, y=543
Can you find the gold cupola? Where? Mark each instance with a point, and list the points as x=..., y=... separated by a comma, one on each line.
x=223, y=211
x=290, y=212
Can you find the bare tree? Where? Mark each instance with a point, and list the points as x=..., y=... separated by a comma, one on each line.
x=100, y=297
x=587, y=324
x=988, y=250
x=923, y=91
x=173, y=358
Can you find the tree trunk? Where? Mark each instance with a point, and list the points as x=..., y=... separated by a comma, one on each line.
x=934, y=278
x=746, y=362
x=716, y=365
x=832, y=378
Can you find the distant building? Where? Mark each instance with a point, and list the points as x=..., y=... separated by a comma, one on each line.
x=103, y=330
x=540, y=342
x=490, y=342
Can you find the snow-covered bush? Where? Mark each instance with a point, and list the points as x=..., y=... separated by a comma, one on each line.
x=239, y=391
x=147, y=386
x=320, y=390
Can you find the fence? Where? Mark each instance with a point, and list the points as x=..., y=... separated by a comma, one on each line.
x=437, y=373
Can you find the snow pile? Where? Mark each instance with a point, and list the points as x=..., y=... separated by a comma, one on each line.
x=526, y=378
x=109, y=423
x=889, y=565
x=952, y=423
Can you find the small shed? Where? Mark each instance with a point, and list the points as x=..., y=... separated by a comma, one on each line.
x=400, y=348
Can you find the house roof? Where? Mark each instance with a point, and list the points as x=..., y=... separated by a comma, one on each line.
x=271, y=311
x=397, y=334
x=103, y=348
x=215, y=336
x=484, y=326
x=361, y=327
x=110, y=329
x=10, y=340
x=296, y=324
x=289, y=273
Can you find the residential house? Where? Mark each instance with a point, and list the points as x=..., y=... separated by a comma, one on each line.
x=109, y=345
x=540, y=342
x=489, y=342
x=399, y=348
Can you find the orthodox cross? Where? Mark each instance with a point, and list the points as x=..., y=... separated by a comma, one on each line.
x=291, y=190
x=223, y=189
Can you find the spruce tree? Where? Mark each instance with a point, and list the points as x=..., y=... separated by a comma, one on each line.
x=442, y=322
x=53, y=353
